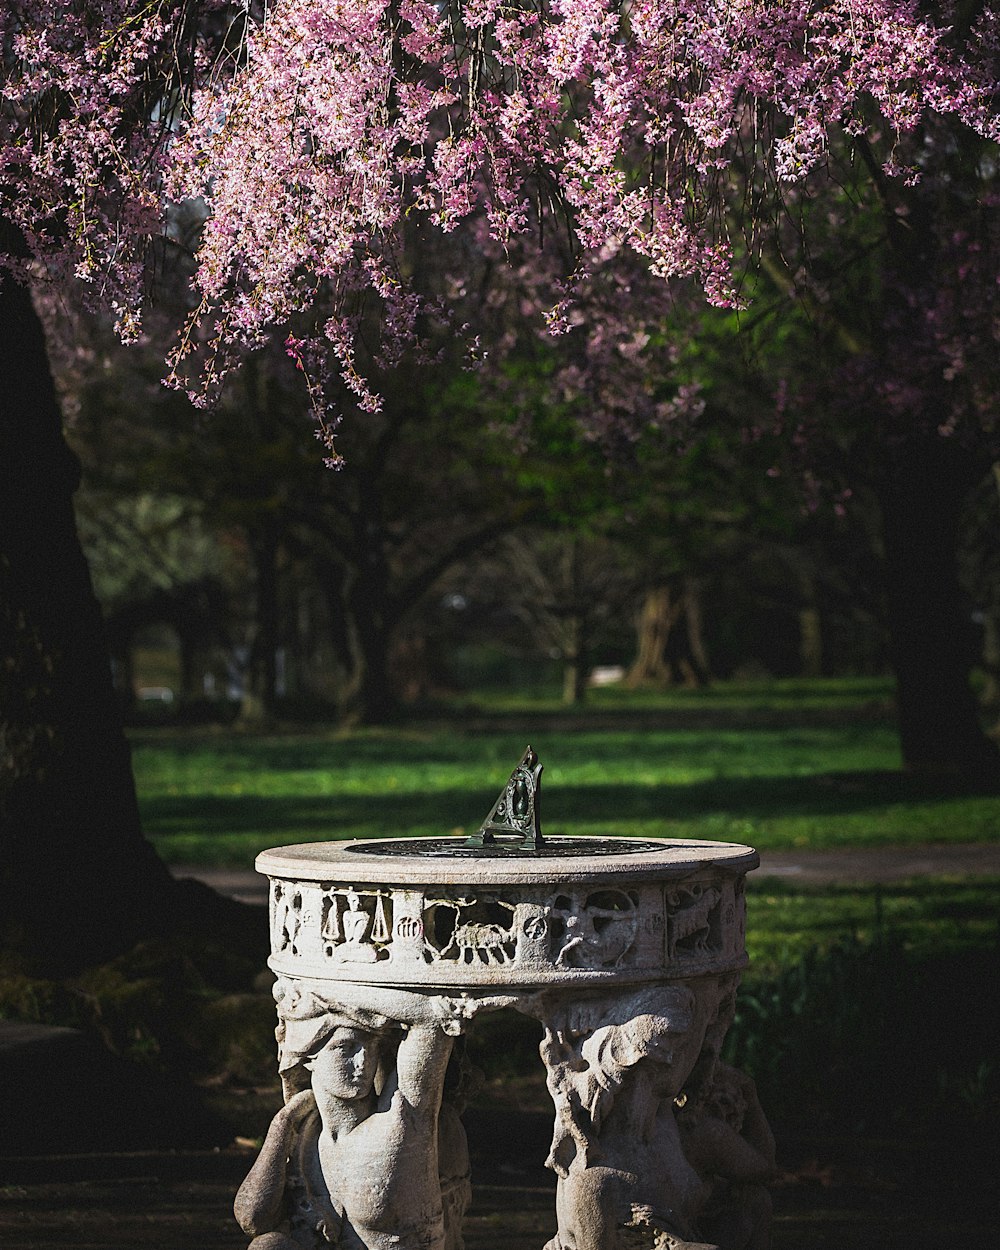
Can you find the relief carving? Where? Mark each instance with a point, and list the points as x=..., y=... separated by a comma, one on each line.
x=471, y=930
x=356, y=928
x=739, y=895
x=595, y=931
x=693, y=926
x=287, y=918
x=575, y=933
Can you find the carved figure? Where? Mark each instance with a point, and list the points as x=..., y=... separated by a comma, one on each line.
x=352, y=1160
x=485, y=941
x=288, y=920
x=354, y=921
x=364, y=936
x=330, y=924
x=614, y=1072
x=596, y=931
x=691, y=923
x=729, y=1142
x=486, y=936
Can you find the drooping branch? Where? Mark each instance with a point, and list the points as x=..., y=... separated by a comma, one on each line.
x=313, y=132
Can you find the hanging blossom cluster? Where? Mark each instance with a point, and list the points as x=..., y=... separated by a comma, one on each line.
x=615, y=367
x=87, y=95
x=318, y=134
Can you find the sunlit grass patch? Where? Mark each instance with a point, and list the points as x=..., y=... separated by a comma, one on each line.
x=924, y=918
x=778, y=765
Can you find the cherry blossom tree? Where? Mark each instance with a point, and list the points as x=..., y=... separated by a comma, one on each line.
x=885, y=366
x=318, y=140
x=315, y=131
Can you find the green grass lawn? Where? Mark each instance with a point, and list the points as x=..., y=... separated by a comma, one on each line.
x=781, y=765
x=926, y=918
x=865, y=1007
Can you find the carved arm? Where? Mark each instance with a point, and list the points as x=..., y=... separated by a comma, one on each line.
x=258, y=1204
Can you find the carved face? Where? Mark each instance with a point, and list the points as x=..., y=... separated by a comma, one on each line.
x=346, y=1065
x=657, y=1043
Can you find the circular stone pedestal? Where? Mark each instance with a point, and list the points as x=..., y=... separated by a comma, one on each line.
x=628, y=951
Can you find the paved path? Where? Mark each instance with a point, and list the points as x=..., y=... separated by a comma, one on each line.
x=873, y=865
x=883, y=864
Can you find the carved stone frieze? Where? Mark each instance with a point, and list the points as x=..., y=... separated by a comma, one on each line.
x=494, y=924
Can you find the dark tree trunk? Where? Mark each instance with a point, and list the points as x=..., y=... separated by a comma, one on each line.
x=700, y=667
x=576, y=669
x=361, y=641
x=923, y=496
x=574, y=624
x=657, y=618
x=926, y=480
x=78, y=880
x=260, y=700
x=664, y=654
x=369, y=604
x=810, y=626
x=990, y=697
x=371, y=698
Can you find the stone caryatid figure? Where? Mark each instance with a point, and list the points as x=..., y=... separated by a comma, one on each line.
x=727, y=1139
x=658, y=1145
x=366, y=1153
x=614, y=1070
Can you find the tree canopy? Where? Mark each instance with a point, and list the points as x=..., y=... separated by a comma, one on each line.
x=346, y=178
x=314, y=136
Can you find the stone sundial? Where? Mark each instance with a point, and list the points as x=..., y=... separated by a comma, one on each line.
x=386, y=950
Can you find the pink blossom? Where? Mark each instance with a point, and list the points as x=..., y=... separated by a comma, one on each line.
x=317, y=132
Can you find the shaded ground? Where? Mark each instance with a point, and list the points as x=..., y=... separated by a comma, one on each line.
x=850, y=1195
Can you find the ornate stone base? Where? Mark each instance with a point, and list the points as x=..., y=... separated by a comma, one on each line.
x=628, y=952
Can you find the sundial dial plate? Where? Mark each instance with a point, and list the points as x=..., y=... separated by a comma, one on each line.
x=448, y=860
